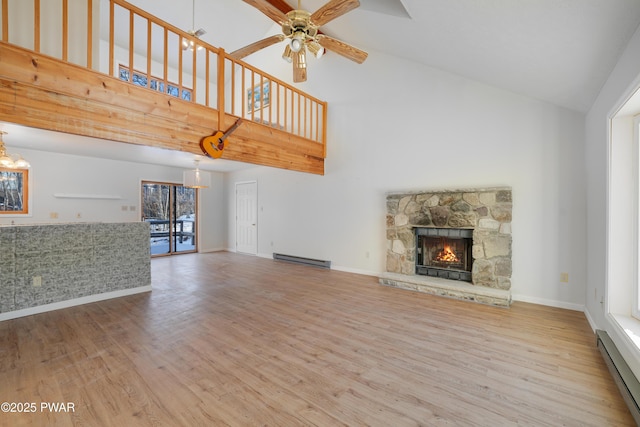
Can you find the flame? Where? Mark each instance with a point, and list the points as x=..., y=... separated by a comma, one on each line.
x=447, y=255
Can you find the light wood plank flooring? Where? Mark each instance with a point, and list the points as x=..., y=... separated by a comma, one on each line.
x=227, y=339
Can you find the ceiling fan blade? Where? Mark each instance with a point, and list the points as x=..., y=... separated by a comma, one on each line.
x=199, y=32
x=268, y=9
x=256, y=46
x=332, y=10
x=341, y=48
x=299, y=67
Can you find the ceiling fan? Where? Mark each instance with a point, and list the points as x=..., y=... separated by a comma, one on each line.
x=189, y=44
x=301, y=28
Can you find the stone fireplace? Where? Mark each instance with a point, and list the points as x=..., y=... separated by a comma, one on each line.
x=454, y=243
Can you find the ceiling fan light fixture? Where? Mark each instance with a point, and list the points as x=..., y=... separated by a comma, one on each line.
x=287, y=29
x=316, y=49
x=301, y=29
x=297, y=41
x=287, y=55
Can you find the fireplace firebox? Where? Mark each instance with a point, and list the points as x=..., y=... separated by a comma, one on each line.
x=444, y=252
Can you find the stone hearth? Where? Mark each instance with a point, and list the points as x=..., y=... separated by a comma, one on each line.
x=487, y=211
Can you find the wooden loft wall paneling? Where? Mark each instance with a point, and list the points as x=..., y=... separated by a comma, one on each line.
x=42, y=92
x=50, y=93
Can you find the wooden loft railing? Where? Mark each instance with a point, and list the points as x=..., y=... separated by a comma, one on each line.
x=143, y=86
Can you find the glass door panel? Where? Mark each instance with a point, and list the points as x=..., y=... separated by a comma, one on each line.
x=184, y=225
x=169, y=210
x=156, y=210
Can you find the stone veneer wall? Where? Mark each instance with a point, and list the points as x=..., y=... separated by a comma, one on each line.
x=487, y=211
x=73, y=260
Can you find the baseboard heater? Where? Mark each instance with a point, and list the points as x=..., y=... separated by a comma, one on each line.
x=301, y=260
x=621, y=373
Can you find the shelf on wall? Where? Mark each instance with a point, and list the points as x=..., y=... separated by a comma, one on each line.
x=86, y=196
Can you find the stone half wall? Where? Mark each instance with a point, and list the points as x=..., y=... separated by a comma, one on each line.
x=70, y=261
x=487, y=211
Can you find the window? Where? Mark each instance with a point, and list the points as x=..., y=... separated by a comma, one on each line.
x=621, y=301
x=14, y=191
x=140, y=79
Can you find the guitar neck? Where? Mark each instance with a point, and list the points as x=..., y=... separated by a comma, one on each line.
x=231, y=129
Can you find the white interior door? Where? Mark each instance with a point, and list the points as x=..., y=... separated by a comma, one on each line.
x=247, y=217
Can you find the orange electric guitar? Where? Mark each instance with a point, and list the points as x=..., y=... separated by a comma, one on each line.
x=214, y=145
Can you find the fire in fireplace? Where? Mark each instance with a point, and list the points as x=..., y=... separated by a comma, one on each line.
x=444, y=252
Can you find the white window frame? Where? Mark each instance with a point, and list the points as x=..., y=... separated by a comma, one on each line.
x=635, y=309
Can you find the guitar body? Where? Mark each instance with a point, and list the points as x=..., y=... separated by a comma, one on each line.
x=213, y=145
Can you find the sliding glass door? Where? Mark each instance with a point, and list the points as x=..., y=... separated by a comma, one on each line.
x=170, y=210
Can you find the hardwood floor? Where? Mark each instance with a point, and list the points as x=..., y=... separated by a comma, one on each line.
x=227, y=339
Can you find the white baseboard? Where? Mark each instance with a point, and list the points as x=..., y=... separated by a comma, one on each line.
x=73, y=302
x=548, y=302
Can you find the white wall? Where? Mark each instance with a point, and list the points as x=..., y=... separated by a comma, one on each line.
x=55, y=173
x=395, y=125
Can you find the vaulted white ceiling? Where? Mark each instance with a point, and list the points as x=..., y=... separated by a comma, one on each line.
x=560, y=51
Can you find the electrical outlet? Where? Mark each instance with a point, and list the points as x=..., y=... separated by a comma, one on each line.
x=53, y=215
x=564, y=277
x=37, y=281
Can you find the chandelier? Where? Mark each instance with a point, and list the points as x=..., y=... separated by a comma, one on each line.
x=15, y=161
x=190, y=44
x=195, y=178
